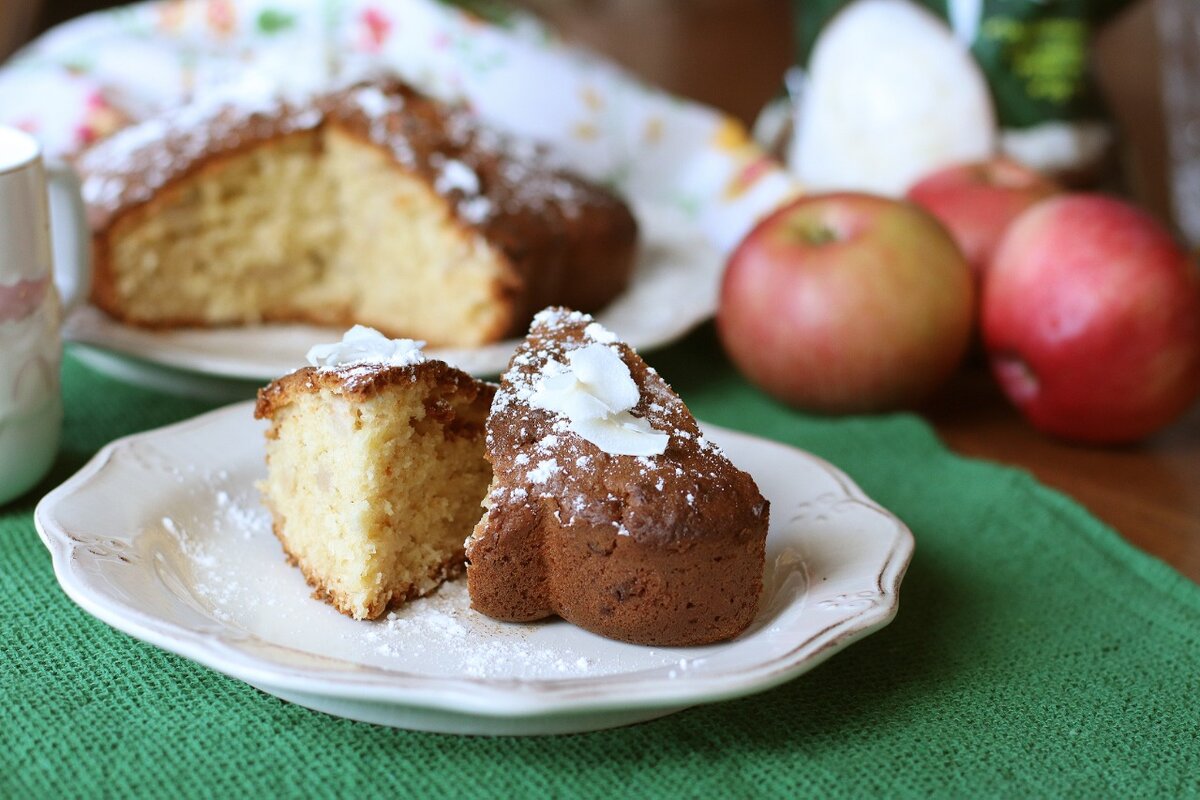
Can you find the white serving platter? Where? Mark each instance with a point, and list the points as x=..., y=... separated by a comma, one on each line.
x=163, y=537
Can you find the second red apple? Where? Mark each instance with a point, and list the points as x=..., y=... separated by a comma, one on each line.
x=1091, y=318
x=977, y=202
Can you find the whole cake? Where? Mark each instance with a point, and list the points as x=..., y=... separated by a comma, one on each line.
x=370, y=204
x=608, y=506
x=375, y=470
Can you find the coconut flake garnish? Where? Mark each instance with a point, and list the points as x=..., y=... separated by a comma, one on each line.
x=595, y=391
x=363, y=345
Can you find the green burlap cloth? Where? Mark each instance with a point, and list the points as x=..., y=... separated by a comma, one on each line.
x=1035, y=654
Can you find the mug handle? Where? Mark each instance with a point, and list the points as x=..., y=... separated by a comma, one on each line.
x=70, y=235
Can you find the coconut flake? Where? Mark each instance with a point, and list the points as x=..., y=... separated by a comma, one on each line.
x=363, y=345
x=596, y=392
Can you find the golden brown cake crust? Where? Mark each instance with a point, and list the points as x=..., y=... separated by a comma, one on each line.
x=664, y=550
x=364, y=380
x=565, y=239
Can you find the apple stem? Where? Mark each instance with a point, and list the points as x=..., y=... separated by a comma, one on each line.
x=816, y=235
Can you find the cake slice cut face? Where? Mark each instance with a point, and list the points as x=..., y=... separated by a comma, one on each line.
x=608, y=506
x=375, y=472
x=371, y=203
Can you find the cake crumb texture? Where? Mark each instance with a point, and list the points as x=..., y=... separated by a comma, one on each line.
x=373, y=482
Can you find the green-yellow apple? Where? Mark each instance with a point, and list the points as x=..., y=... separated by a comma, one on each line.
x=847, y=302
x=1091, y=319
x=978, y=201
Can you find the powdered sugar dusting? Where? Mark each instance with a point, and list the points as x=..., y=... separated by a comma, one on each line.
x=543, y=471
x=598, y=333
x=135, y=162
x=433, y=627
x=454, y=175
x=475, y=209
x=374, y=103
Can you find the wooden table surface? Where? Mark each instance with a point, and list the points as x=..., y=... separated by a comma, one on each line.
x=731, y=54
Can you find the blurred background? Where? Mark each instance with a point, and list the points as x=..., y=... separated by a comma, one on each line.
x=733, y=54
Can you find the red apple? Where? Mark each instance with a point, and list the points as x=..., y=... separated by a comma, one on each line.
x=847, y=303
x=977, y=202
x=1091, y=319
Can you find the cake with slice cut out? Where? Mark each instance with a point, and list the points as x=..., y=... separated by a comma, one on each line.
x=375, y=470
x=609, y=506
x=370, y=204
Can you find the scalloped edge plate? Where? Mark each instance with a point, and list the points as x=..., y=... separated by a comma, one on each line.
x=161, y=536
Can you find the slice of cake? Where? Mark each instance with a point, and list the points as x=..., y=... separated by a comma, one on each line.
x=375, y=469
x=608, y=505
x=370, y=204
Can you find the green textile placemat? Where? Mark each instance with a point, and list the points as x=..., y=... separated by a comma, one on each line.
x=1035, y=653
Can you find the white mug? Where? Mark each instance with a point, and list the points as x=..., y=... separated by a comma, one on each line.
x=30, y=312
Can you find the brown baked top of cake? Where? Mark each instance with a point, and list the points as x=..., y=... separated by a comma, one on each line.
x=361, y=381
x=493, y=181
x=690, y=490
x=399, y=361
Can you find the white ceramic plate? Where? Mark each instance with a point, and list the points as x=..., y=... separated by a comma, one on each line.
x=162, y=536
x=674, y=288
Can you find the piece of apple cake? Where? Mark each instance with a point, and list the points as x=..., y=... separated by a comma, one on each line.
x=375, y=470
